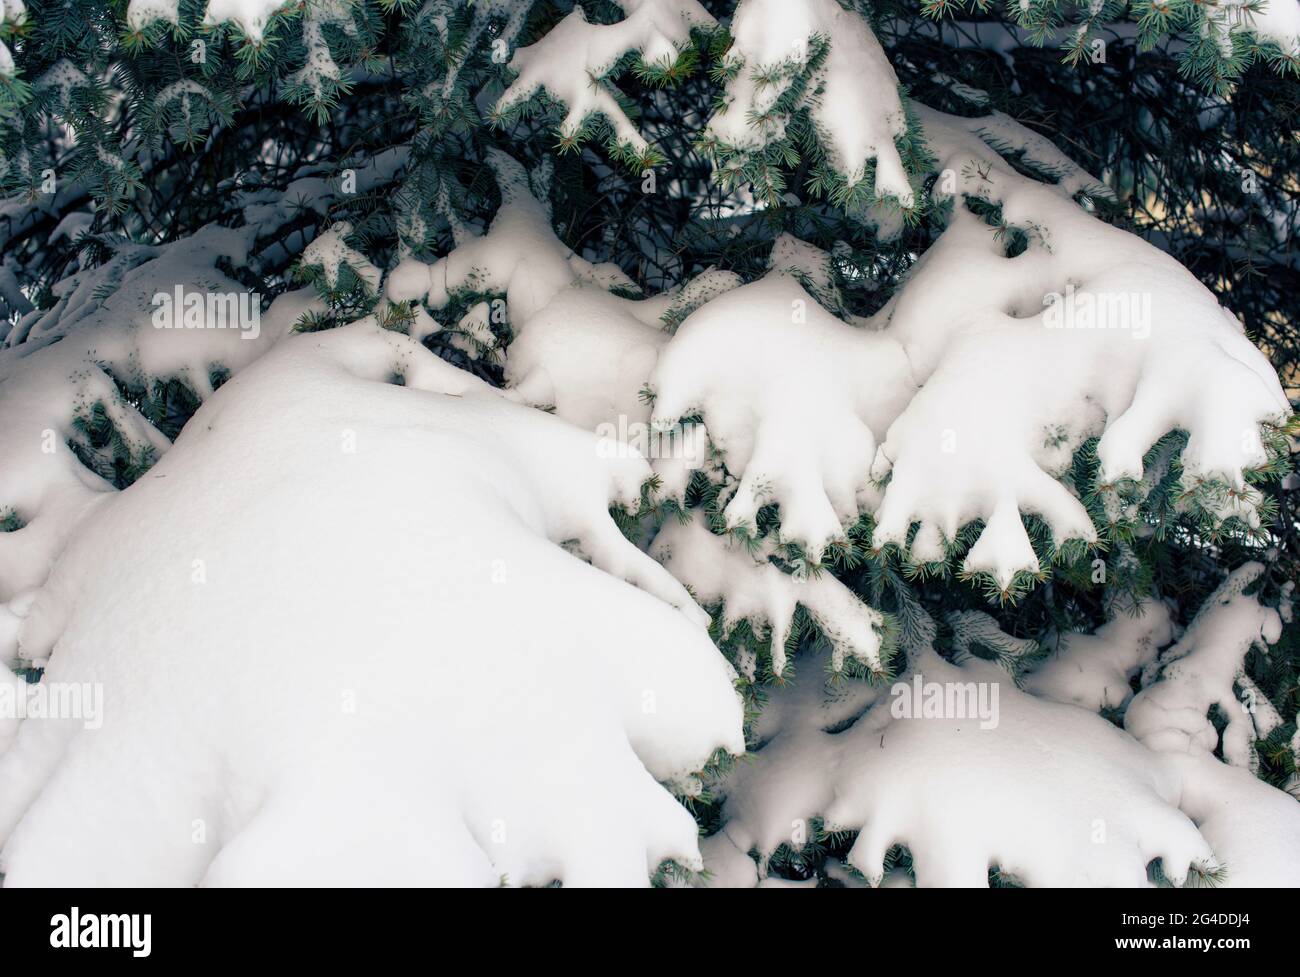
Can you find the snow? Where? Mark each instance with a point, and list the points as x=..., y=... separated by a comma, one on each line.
x=314, y=745
x=951, y=137
x=180, y=89
x=576, y=347
x=355, y=631
x=570, y=61
x=12, y=12
x=720, y=570
x=1253, y=828
x=332, y=253
x=978, y=380
x=771, y=800
x=10, y=685
x=514, y=12
x=317, y=190
x=1094, y=670
x=141, y=13
x=1200, y=672
x=1052, y=795
x=519, y=256
x=474, y=336
x=61, y=369
x=1134, y=372
x=588, y=353
x=251, y=16
x=1277, y=21
x=856, y=104
x=794, y=398
x=65, y=76
x=320, y=66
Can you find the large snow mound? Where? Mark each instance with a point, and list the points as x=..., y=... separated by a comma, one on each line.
x=1050, y=794
x=341, y=644
x=73, y=356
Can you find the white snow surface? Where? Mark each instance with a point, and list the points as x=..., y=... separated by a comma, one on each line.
x=319, y=67
x=793, y=397
x=1032, y=795
x=141, y=13
x=721, y=570
x=963, y=399
x=1094, y=670
x=1277, y=21
x=248, y=706
x=853, y=96
x=1053, y=795
x=587, y=353
x=576, y=347
x=1203, y=670
x=60, y=370
x=251, y=16
x=970, y=395
x=1253, y=828
x=12, y=12
x=570, y=61
x=1158, y=353
x=345, y=647
x=331, y=251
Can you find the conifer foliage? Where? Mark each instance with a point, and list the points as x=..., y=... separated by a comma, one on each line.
x=689, y=442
